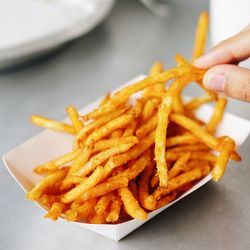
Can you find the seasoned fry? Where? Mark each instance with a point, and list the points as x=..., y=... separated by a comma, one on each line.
x=115, y=209
x=74, y=117
x=88, y=183
x=107, y=129
x=166, y=200
x=52, y=124
x=59, y=161
x=197, y=102
x=99, y=122
x=46, y=183
x=217, y=115
x=200, y=35
x=81, y=212
x=227, y=146
x=121, y=96
x=149, y=110
x=103, y=203
x=131, y=205
x=117, y=133
x=186, y=148
x=160, y=138
x=104, y=188
x=195, y=155
x=110, y=143
x=149, y=126
x=178, y=165
x=181, y=140
x=55, y=211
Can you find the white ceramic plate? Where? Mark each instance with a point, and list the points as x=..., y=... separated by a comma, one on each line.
x=31, y=27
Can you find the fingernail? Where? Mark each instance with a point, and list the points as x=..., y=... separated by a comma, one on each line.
x=215, y=82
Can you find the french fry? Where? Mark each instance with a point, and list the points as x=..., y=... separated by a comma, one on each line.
x=117, y=133
x=143, y=184
x=197, y=102
x=55, y=211
x=178, y=182
x=181, y=140
x=74, y=117
x=52, y=124
x=189, y=148
x=81, y=212
x=227, y=146
x=97, y=219
x=160, y=138
x=178, y=165
x=103, y=203
x=110, y=143
x=99, y=122
x=195, y=155
x=131, y=205
x=107, y=129
x=154, y=182
x=121, y=96
x=200, y=35
x=88, y=183
x=149, y=126
x=104, y=188
x=59, y=161
x=217, y=115
x=115, y=209
x=48, y=182
x=149, y=110
x=133, y=153
x=195, y=129
x=166, y=200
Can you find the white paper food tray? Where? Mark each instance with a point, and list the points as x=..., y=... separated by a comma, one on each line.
x=48, y=144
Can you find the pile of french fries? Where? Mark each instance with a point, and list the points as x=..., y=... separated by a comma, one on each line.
x=130, y=156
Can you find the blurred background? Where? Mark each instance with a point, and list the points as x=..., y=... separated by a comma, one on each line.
x=57, y=52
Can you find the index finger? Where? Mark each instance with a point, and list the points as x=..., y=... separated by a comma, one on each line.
x=234, y=49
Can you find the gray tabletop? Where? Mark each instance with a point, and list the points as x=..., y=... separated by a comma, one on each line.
x=215, y=217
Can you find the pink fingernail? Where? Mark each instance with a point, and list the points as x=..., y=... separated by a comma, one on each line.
x=216, y=82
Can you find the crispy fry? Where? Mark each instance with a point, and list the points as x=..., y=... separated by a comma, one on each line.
x=104, y=188
x=181, y=139
x=81, y=212
x=117, y=133
x=59, y=161
x=200, y=35
x=160, y=138
x=121, y=96
x=55, y=211
x=131, y=205
x=87, y=184
x=107, y=129
x=217, y=115
x=74, y=117
x=133, y=153
x=227, y=146
x=149, y=126
x=99, y=122
x=154, y=182
x=186, y=148
x=110, y=143
x=195, y=155
x=178, y=165
x=115, y=209
x=103, y=203
x=149, y=110
x=52, y=124
x=197, y=102
x=143, y=184
x=166, y=200
x=48, y=182
x=195, y=129
x=178, y=182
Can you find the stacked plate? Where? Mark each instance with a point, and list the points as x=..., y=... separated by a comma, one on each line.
x=29, y=28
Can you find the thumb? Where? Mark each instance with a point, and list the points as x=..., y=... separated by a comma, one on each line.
x=230, y=80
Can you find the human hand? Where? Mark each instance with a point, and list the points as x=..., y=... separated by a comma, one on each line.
x=224, y=75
